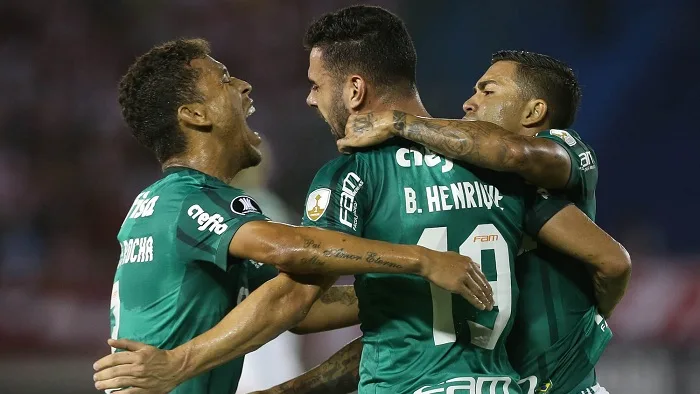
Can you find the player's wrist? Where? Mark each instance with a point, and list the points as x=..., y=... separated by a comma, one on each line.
x=396, y=122
x=182, y=360
x=423, y=266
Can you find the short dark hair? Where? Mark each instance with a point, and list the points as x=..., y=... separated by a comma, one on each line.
x=154, y=87
x=549, y=79
x=368, y=40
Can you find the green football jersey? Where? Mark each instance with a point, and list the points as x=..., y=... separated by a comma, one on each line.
x=419, y=338
x=175, y=278
x=558, y=335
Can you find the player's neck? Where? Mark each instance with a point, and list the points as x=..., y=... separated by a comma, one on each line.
x=532, y=131
x=410, y=104
x=210, y=160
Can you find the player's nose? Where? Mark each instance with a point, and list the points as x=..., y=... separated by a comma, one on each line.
x=311, y=100
x=469, y=106
x=246, y=88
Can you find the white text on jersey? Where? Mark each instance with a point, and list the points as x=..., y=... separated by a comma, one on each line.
x=461, y=195
x=136, y=250
x=404, y=156
x=208, y=222
x=469, y=385
x=351, y=186
x=143, y=206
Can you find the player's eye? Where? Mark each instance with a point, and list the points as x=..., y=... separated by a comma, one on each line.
x=487, y=92
x=314, y=87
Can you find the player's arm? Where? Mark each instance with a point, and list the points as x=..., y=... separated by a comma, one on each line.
x=339, y=374
x=273, y=308
x=308, y=250
x=541, y=162
x=336, y=308
x=571, y=232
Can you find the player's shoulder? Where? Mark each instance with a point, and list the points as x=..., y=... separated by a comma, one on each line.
x=569, y=137
x=365, y=160
x=191, y=188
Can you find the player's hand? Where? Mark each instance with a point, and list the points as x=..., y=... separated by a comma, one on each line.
x=367, y=130
x=459, y=274
x=142, y=368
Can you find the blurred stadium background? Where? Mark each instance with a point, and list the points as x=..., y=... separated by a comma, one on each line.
x=69, y=168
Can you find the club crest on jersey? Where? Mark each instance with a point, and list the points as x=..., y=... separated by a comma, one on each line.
x=317, y=202
x=244, y=205
x=563, y=134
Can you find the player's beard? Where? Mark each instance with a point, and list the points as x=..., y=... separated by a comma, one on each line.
x=338, y=115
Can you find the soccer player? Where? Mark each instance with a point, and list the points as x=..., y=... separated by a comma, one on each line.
x=559, y=334
x=192, y=247
x=417, y=338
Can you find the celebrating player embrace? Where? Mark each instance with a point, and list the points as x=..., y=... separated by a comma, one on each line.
x=559, y=333
x=193, y=248
x=392, y=188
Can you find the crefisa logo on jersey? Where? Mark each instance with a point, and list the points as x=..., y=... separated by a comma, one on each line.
x=212, y=223
x=244, y=205
x=317, y=202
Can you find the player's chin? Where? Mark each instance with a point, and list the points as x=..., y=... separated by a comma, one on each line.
x=255, y=156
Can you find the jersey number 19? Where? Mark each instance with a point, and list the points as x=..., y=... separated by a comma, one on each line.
x=484, y=237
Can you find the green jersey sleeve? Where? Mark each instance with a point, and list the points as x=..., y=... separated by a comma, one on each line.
x=209, y=218
x=339, y=198
x=260, y=273
x=540, y=208
x=584, y=163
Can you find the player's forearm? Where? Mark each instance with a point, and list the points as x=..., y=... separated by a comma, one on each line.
x=571, y=232
x=488, y=145
x=339, y=374
x=336, y=308
x=610, y=290
x=273, y=308
x=308, y=250
x=612, y=270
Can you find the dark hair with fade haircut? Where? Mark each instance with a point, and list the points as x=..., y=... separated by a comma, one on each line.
x=549, y=79
x=154, y=87
x=368, y=40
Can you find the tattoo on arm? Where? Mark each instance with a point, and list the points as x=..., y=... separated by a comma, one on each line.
x=310, y=243
x=340, y=253
x=464, y=141
x=363, y=123
x=375, y=259
x=342, y=294
x=399, y=121
x=487, y=145
x=339, y=374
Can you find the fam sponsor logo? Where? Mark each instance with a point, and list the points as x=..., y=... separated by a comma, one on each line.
x=352, y=184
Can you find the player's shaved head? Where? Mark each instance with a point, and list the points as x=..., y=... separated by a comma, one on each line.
x=369, y=41
x=544, y=77
x=154, y=87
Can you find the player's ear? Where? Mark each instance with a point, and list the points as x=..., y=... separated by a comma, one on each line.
x=357, y=92
x=535, y=112
x=194, y=115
